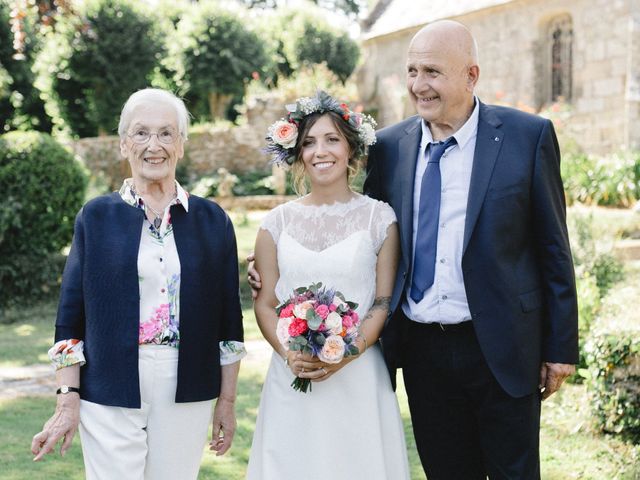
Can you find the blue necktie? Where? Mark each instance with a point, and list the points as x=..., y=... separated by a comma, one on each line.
x=424, y=263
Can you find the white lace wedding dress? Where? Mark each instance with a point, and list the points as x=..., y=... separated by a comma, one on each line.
x=349, y=426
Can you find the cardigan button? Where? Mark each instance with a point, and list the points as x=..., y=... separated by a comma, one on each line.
x=162, y=290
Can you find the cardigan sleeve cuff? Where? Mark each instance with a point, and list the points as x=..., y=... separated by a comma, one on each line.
x=231, y=352
x=66, y=353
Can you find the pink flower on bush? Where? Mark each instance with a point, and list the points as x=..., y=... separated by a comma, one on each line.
x=298, y=327
x=322, y=311
x=285, y=134
x=332, y=350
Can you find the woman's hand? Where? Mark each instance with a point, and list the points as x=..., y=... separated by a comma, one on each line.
x=314, y=369
x=224, y=426
x=63, y=424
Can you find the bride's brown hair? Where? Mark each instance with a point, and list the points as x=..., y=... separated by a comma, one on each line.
x=349, y=133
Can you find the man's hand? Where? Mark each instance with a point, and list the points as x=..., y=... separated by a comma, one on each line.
x=253, y=276
x=224, y=426
x=552, y=375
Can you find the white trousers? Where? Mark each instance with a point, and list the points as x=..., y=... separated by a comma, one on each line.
x=161, y=440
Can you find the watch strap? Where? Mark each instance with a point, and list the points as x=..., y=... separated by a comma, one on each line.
x=66, y=389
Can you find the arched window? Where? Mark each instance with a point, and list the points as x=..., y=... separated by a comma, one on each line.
x=560, y=38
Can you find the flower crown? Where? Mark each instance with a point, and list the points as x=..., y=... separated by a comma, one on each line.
x=283, y=134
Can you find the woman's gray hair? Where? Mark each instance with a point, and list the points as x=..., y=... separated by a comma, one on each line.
x=154, y=95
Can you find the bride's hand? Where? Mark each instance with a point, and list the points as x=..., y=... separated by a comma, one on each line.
x=318, y=371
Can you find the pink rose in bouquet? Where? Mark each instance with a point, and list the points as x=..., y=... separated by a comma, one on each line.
x=332, y=350
x=320, y=322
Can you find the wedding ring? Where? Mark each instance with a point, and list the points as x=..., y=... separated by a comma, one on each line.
x=302, y=370
x=324, y=370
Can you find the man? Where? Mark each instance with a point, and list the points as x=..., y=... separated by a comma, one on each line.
x=484, y=312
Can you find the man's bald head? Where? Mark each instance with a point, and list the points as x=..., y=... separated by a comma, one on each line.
x=446, y=35
x=442, y=71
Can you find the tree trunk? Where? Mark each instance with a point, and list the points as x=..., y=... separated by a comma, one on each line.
x=218, y=104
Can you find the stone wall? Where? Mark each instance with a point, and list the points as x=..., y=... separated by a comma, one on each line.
x=605, y=106
x=238, y=149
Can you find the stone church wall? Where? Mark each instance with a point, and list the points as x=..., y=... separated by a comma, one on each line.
x=514, y=66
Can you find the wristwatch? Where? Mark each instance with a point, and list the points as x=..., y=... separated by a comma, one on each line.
x=64, y=389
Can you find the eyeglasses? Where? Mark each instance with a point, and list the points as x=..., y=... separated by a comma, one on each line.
x=143, y=136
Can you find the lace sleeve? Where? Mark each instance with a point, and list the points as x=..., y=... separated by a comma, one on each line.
x=272, y=223
x=383, y=216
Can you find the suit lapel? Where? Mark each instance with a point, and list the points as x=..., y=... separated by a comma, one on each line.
x=488, y=144
x=407, y=159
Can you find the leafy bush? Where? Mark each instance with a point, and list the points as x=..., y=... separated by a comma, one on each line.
x=43, y=188
x=612, y=180
x=592, y=252
x=613, y=356
x=250, y=183
x=217, y=55
x=597, y=270
x=103, y=56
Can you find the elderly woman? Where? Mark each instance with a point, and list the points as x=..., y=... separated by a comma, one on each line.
x=149, y=326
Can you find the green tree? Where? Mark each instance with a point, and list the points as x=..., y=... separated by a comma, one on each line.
x=348, y=7
x=217, y=55
x=299, y=40
x=20, y=104
x=111, y=51
x=318, y=44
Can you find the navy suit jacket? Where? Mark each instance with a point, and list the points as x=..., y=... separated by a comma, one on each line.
x=517, y=266
x=100, y=298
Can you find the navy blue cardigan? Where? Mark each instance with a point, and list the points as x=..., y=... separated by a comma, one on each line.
x=100, y=299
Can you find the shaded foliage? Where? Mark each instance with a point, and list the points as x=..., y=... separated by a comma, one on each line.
x=43, y=188
x=111, y=50
x=20, y=104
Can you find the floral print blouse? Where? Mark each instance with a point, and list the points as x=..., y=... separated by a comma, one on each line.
x=159, y=284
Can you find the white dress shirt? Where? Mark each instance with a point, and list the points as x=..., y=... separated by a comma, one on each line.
x=446, y=300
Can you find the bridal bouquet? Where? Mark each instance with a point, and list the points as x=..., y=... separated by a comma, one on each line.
x=318, y=321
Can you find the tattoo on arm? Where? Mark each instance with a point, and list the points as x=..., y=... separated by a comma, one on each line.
x=380, y=303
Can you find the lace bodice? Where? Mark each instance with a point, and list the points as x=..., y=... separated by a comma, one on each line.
x=334, y=244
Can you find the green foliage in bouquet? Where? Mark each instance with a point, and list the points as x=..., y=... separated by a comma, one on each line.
x=43, y=188
x=613, y=356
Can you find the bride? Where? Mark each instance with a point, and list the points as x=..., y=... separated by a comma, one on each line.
x=348, y=426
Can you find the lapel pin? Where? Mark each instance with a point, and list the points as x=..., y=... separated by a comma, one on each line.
x=496, y=139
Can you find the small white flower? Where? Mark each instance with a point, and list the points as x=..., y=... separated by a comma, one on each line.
x=367, y=134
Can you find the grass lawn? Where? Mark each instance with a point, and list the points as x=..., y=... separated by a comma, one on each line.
x=570, y=449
